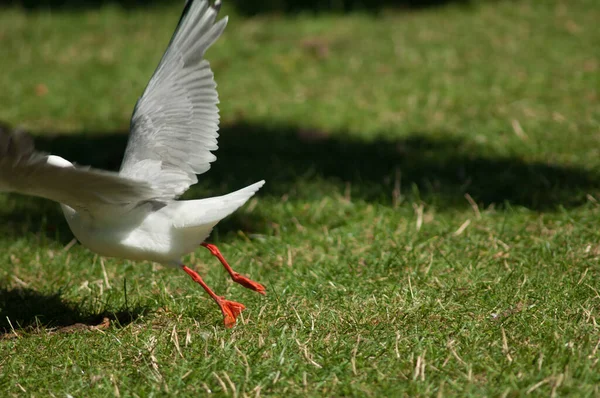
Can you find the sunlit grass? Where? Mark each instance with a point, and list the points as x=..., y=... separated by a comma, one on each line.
x=428, y=224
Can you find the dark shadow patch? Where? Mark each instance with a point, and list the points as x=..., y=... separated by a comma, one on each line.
x=31, y=215
x=302, y=165
x=79, y=4
x=434, y=167
x=246, y=7
x=249, y=7
x=24, y=310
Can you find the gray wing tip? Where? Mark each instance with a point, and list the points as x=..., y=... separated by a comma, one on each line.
x=216, y=6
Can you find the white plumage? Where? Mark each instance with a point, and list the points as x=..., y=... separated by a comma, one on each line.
x=134, y=214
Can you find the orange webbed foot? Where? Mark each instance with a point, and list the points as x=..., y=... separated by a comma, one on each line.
x=248, y=283
x=230, y=310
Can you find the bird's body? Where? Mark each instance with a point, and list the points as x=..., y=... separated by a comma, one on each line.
x=134, y=214
x=155, y=231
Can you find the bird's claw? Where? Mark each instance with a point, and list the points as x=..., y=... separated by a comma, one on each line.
x=230, y=310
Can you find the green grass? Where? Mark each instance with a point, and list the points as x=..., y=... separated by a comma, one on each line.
x=428, y=227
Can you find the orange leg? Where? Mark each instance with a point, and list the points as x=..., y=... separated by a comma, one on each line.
x=230, y=309
x=238, y=278
x=241, y=279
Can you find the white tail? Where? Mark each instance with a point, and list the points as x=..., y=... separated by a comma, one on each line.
x=193, y=213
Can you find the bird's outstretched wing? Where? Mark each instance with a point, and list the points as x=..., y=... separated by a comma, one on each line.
x=23, y=170
x=175, y=122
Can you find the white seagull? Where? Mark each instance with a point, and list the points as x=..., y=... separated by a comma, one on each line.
x=134, y=214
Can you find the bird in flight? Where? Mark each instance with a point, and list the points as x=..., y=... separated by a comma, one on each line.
x=134, y=214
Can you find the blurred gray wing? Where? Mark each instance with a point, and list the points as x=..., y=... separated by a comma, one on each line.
x=175, y=122
x=95, y=192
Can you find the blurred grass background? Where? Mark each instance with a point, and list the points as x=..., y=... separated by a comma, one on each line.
x=427, y=227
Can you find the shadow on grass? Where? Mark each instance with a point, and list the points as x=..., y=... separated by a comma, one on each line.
x=437, y=167
x=306, y=165
x=31, y=215
x=28, y=311
x=79, y=4
x=248, y=7
x=339, y=6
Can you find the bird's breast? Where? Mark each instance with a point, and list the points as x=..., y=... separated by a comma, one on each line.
x=146, y=239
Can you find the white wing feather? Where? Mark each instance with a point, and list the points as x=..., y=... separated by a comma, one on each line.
x=25, y=171
x=175, y=122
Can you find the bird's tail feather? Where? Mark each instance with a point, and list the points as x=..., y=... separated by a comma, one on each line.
x=210, y=211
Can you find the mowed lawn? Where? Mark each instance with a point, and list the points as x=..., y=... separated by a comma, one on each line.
x=429, y=224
